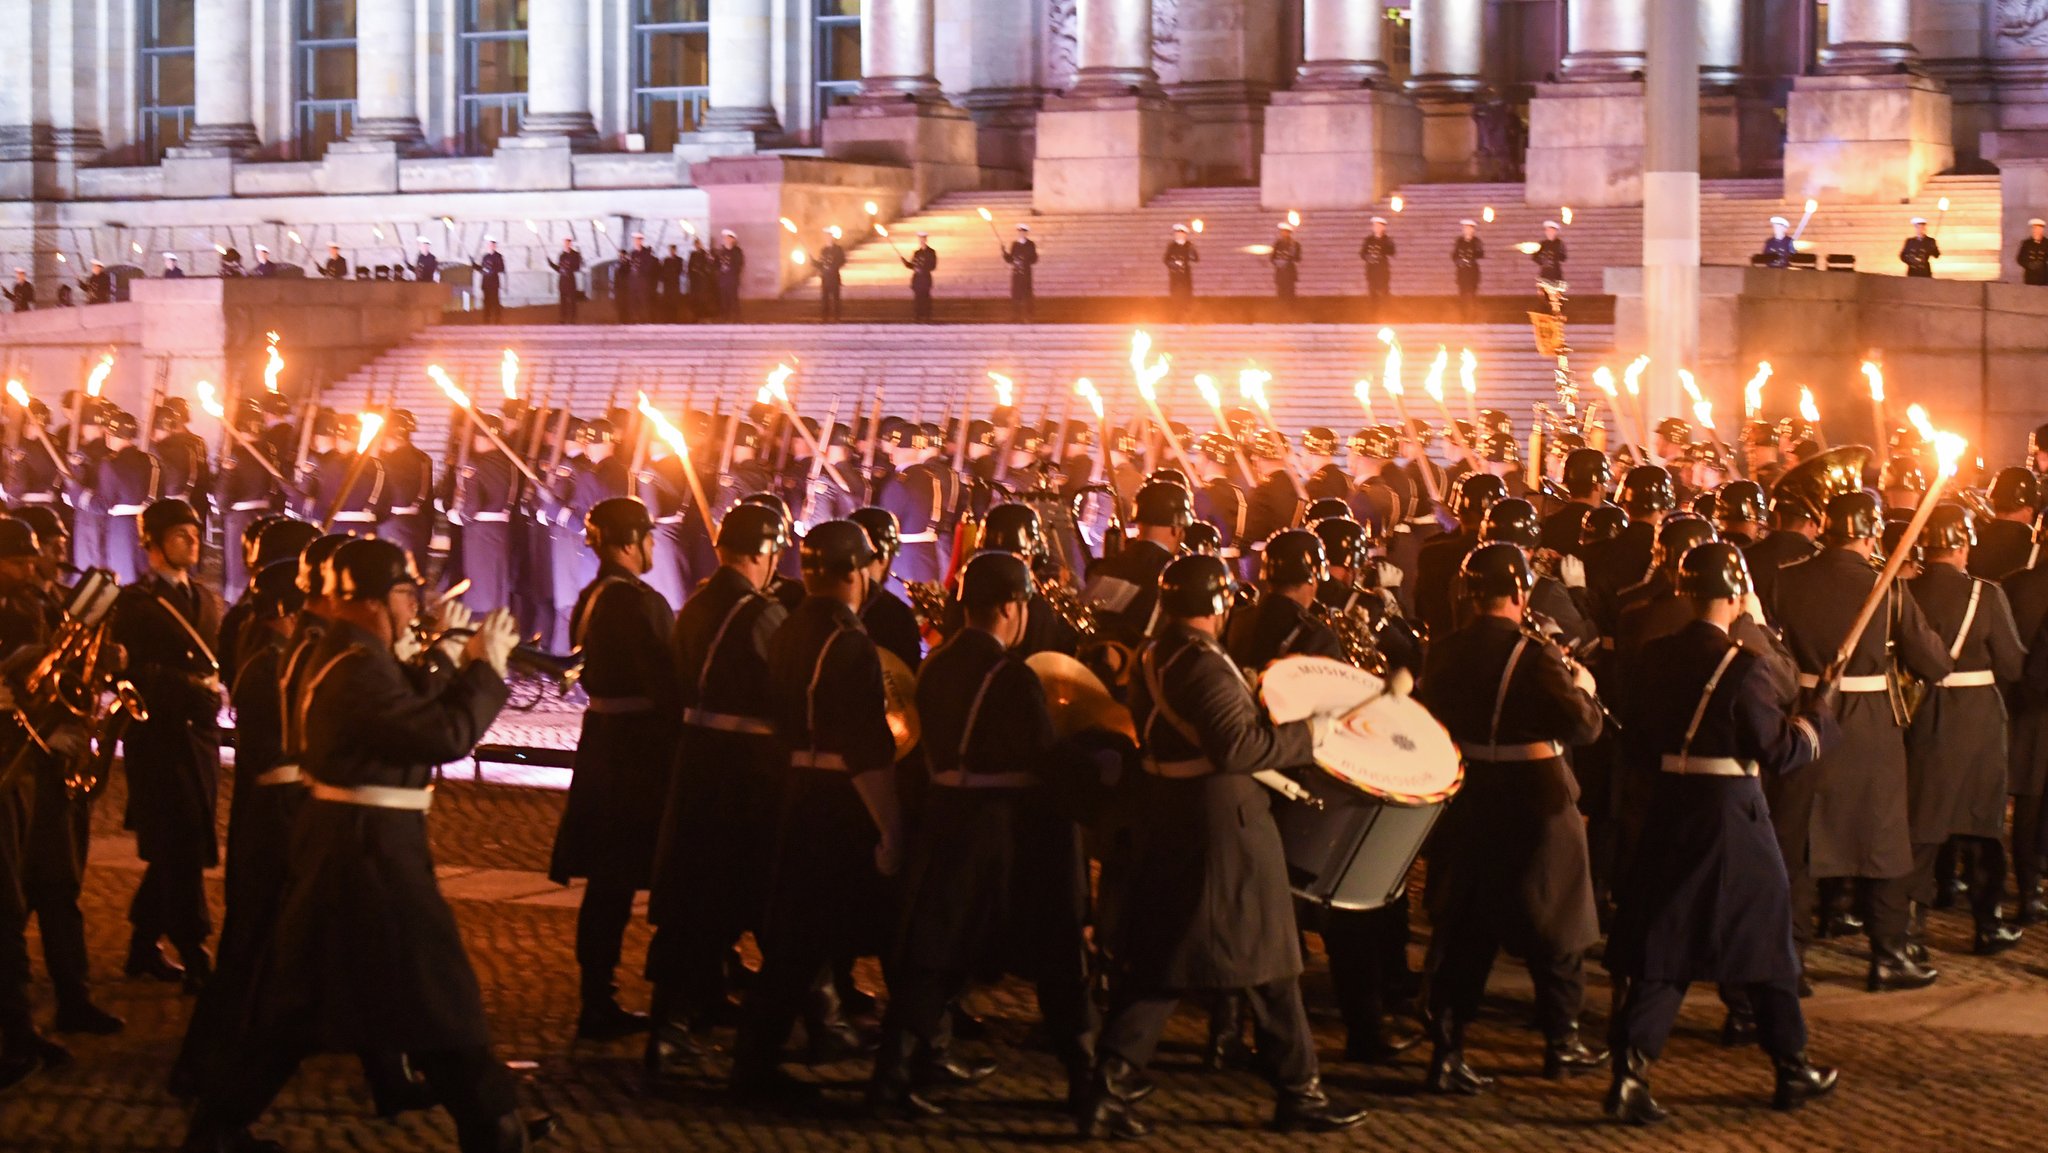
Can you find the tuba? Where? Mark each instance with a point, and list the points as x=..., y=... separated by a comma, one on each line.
x=1812, y=483
x=67, y=686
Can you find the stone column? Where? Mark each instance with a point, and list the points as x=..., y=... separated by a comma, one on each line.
x=900, y=117
x=1721, y=31
x=1872, y=127
x=558, y=71
x=896, y=53
x=222, y=45
x=1003, y=81
x=1731, y=125
x=1671, y=200
x=1586, y=133
x=1111, y=143
x=387, y=73
x=1604, y=39
x=742, y=69
x=1447, y=63
x=1340, y=138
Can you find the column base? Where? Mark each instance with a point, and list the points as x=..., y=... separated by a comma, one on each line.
x=360, y=166
x=1585, y=144
x=741, y=132
x=935, y=140
x=1332, y=148
x=1338, y=75
x=195, y=173
x=1450, y=135
x=1110, y=154
x=233, y=140
x=1866, y=139
x=575, y=127
x=1867, y=59
x=1225, y=127
x=533, y=163
x=403, y=131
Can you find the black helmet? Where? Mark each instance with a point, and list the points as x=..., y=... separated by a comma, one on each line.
x=1202, y=537
x=2014, y=489
x=1162, y=504
x=367, y=569
x=43, y=519
x=1496, y=570
x=836, y=548
x=401, y=422
x=1949, y=527
x=1474, y=493
x=616, y=523
x=752, y=530
x=1168, y=474
x=314, y=572
x=1328, y=506
x=1705, y=504
x=1647, y=490
x=1294, y=556
x=1215, y=447
x=597, y=431
x=172, y=413
x=884, y=531
x=1013, y=528
x=1196, y=586
x=1319, y=441
x=1741, y=502
x=1680, y=535
x=277, y=590
x=1852, y=516
x=120, y=425
x=285, y=539
x=1714, y=570
x=1895, y=535
x=1344, y=540
x=993, y=579
x=1902, y=473
x=1603, y=523
x=164, y=515
x=1513, y=521
x=768, y=500
x=18, y=540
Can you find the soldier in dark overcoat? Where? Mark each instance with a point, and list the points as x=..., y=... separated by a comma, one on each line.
x=2026, y=777
x=1125, y=588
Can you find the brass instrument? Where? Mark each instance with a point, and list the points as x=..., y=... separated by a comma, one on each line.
x=899, y=693
x=1353, y=627
x=1092, y=495
x=1067, y=605
x=66, y=686
x=927, y=601
x=564, y=671
x=1813, y=482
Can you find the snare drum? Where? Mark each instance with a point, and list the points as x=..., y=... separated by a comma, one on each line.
x=1380, y=781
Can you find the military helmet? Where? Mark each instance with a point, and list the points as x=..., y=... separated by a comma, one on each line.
x=401, y=422
x=1894, y=537
x=1759, y=434
x=1195, y=586
x=883, y=529
x=120, y=425
x=1714, y=570
x=366, y=569
x=44, y=520
x=746, y=436
x=1603, y=523
x=1324, y=508
x=161, y=516
x=1170, y=475
x=753, y=530
x=1319, y=441
x=1741, y=502
x=836, y=548
x=1679, y=535
x=1345, y=541
x=1014, y=528
x=314, y=574
x=1647, y=490
x=993, y=579
x=598, y=431
x=1202, y=537
x=1852, y=516
x=1215, y=447
x=285, y=539
x=1474, y=493
x=768, y=500
x=1674, y=430
x=1294, y=556
x=1500, y=448
x=1949, y=527
x=1586, y=471
x=18, y=540
x=1264, y=444
x=616, y=523
x=1706, y=504
x=277, y=591
x=2014, y=489
x=1902, y=474
x=982, y=433
x=1375, y=443
x=1495, y=570
x=1162, y=504
x=172, y=413
x=1513, y=521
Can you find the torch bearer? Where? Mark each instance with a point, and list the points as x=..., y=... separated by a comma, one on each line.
x=1251, y=385
x=678, y=444
x=372, y=426
x=1433, y=384
x=1206, y=385
x=1632, y=380
x=1148, y=377
x=776, y=391
x=1390, y=380
x=1948, y=449
x=883, y=232
x=462, y=401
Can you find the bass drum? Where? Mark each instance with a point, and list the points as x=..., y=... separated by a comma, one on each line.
x=1381, y=779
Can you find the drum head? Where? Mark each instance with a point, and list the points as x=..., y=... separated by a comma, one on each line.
x=1076, y=697
x=899, y=694
x=1385, y=746
x=1296, y=688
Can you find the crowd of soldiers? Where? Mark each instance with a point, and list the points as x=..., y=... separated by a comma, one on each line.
x=1641, y=664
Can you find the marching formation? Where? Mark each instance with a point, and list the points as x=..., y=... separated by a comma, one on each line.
x=1126, y=713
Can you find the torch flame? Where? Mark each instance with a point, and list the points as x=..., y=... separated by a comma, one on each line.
x=1565, y=214
x=1948, y=449
x=1390, y=376
x=881, y=231
x=669, y=433
x=1753, y=392
x=100, y=372
x=1604, y=377
x=1691, y=386
x=1006, y=389
x=1486, y=214
x=688, y=228
x=987, y=217
x=135, y=247
x=1433, y=382
x=209, y=402
x=1527, y=247
x=373, y=425
x=1468, y=372
x=1812, y=206
x=1086, y=389
x=1875, y=375
x=455, y=394
x=1363, y=391
x=1632, y=376
x=220, y=248
x=273, y=364
x=292, y=232
x=533, y=226
x=1703, y=411
x=16, y=393
x=1917, y=417
x=1206, y=385
x=508, y=374
x=870, y=209
x=1397, y=204
x=798, y=258
x=1942, y=204
x=1293, y=219
x=1149, y=374
x=1808, y=411
x=375, y=230
x=1251, y=385
x=776, y=390
x=789, y=225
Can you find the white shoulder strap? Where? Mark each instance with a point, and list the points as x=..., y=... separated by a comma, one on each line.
x=1955, y=650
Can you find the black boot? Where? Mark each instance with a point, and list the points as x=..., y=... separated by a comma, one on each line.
x=1738, y=1028
x=891, y=1094
x=1628, y=1098
x=198, y=967
x=1226, y=1048
x=602, y=1018
x=2033, y=910
x=1800, y=1082
x=1994, y=938
x=829, y=1036
x=1382, y=1044
x=1567, y=1055
x=77, y=1014
x=1448, y=1072
x=940, y=1070
x=1306, y=1108
x=669, y=1042
x=1916, y=934
x=1109, y=1111
x=394, y=1090
x=146, y=959
x=1891, y=970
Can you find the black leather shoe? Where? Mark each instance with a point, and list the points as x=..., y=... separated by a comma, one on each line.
x=1841, y=924
x=88, y=1018
x=1738, y=1029
x=1800, y=1082
x=2033, y=911
x=840, y=1042
x=1994, y=939
x=1384, y=1045
x=1950, y=892
x=1448, y=1073
x=606, y=1021
x=950, y=1072
x=1628, y=1098
x=146, y=960
x=1568, y=1055
x=1307, y=1109
x=1891, y=970
x=900, y=1103
x=1109, y=1108
x=198, y=970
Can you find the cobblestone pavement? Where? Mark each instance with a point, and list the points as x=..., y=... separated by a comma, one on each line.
x=1955, y=1067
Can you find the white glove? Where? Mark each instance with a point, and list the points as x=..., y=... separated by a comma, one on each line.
x=1390, y=575
x=1572, y=571
x=1584, y=680
x=496, y=637
x=1400, y=683
x=452, y=615
x=888, y=857
x=1753, y=607
x=1321, y=726
x=406, y=645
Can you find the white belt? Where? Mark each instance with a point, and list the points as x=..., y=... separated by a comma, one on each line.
x=1871, y=684
x=408, y=510
x=1420, y=520
x=676, y=519
x=491, y=517
x=249, y=505
x=726, y=722
x=1180, y=770
x=1511, y=754
x=1708, y=766
x=361, y=516
x=813, y=759
x=1975, y=678
x=614, y=705
x=1229, y=553
x=281, y=775
x=376, y=796
x=957, y=779
x=918, y=538
x=40, y=498
x=125, y=510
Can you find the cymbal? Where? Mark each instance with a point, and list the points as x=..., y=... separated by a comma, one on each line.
x=1078, y=700
x=899, y=693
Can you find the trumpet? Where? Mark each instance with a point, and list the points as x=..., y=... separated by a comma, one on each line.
x=66, y=687
x=564, y=671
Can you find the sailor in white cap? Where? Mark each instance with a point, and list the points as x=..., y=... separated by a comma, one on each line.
x=1779, y=248
x=732, y=264
x=922, y=263
x=22, y=293
x=2033, y=254
x=335, y=267
x=264, y=265
x=171, y=269
x=99, y=287
x=829, y=260
x=1549, y=255
x=425, y=268
x=1021, y=257
x=491, y=270
x=1286, y=261
x=1466, y=253
x=1181, y=258
x=1377, y=251
x=1920, y=251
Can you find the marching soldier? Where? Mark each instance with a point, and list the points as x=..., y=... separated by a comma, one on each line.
x=408, y=485
x=1124, y=588
x=34, y=473
x=1326, y=477
x=364, y=504
x=1508, y=866
x=1956, y=751
x=1022, y=257
x=1015, y=529
x=886, y=617
x=584, y=481
x=1514, y=521
x=2005, y=543
x=1181, y=258
x=566, y=265
x=1377, y=251
x=1795, y=526
x=1276, y=502
x=1466, y=254
x=997, y=879
x=491, y=269
x=1707, y=897
x=1780, y=248
x=1648, y=496
x=612, y=818
x=1653, y=607
x=479, y=499
x=921, y=494
x=1219, y=501
x=1286, y=261
x=169, y=623
x=1436, y=566
x=124, y=480
x=830, y=260
x=1920, y=251
x=248, y=492
x=1739, y=513
x=1550, y=255
x=1207, y=904
x=335, y=267
x=1858, y=795
x=1587, y=475
x=2033, y=254
x=184, y=457
x=922, y=263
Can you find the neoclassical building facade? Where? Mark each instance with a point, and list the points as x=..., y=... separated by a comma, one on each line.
x=131, y=126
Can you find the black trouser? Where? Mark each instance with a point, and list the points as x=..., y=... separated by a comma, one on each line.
x=171, y=903
x=493, y=311
x=1286, y=1050
x=2027, y=844
x=729, y=299
x=565, y=307
x=1180, y=290
x=1284, y=281
x=601, y=933
x=921, y=303
x=1461, y=958
x=1368, y=957
x=1650, y=1008
x=792, y=979
x=1883, y=901
x=471, y=1084
x=1023, y=302
x=1982, y=860
x=916, y=1025
x=17, y=1024
x=828, y=297
x=50, y=881
x=1379, y=281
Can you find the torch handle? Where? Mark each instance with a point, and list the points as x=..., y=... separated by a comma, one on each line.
x=1892, y=565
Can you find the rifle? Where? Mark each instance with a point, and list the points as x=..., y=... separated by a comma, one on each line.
x=307, y=411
